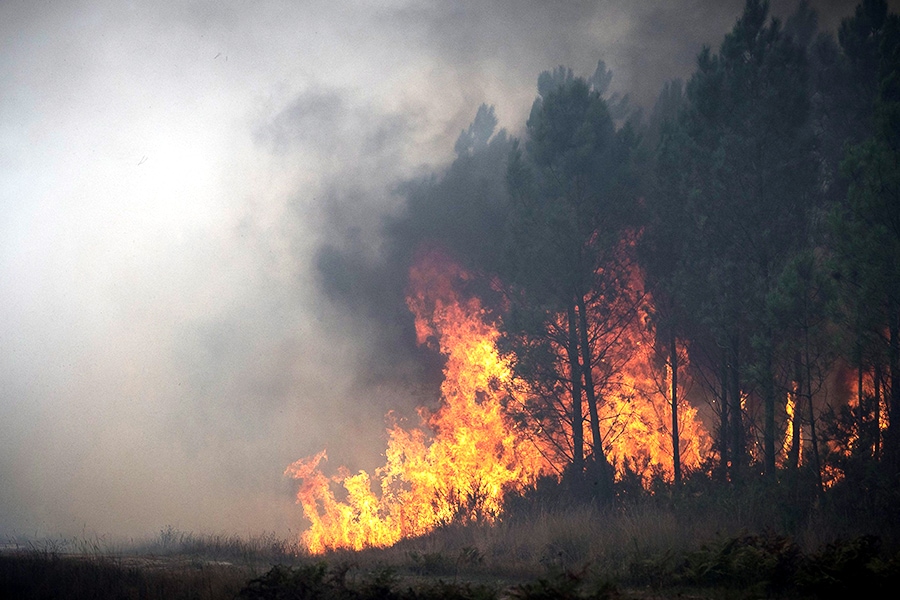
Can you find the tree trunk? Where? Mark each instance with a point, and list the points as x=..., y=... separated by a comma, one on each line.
x=793, y=460
x=817, y=463
x=723, y=426
x=860, y=411
x=815, y=444
x=575, y=377
x=605, y=488
x=676, y=451
x=769, y=425
x=737, y=421
x=876, y=412
x=892, y=439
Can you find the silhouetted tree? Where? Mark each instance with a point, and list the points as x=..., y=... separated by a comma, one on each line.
x=748, y=126
x=571, y=200
x=664, y=244
x=867, y=224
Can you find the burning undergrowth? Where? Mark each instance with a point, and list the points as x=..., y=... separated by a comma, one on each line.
x=485, y=440
x=458, y=464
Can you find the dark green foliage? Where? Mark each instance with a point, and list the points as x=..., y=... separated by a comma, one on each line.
x=306, y=582
x=747, y=180
x=773, y=565
x=379, y=584
x=479, y=132
x=768, y=562
x=846, y=568
x=572, y=191
x=319, y=582
x=430, y=563
x=866, y=224
x=563, y=585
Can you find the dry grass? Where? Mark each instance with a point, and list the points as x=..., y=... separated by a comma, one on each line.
x=703, y=541
x=34, y=575
x=570, y=538
x=174, y=564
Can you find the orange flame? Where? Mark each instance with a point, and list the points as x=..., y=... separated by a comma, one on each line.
x=470, y=457
x=790, y=411
x=638, y=413
x=463, y=459
x=641, y=440
x=632, y=378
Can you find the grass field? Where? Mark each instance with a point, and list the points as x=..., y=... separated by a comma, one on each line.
x=746, y=546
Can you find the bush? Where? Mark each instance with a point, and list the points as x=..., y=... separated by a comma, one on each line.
x=847, y=568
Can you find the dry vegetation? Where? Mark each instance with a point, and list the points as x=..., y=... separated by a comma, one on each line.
x=655, y=547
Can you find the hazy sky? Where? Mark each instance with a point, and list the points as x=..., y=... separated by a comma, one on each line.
x=167, y=171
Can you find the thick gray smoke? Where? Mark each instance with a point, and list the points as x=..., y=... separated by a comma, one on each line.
x=197, y=286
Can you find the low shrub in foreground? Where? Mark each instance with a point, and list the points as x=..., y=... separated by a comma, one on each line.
x=767, y=565
x=318, y=581
x=563, y=585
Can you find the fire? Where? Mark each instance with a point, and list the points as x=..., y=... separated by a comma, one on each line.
x=632, y=377
x=638, y=412
x=873, y=404
x=463, y=459
x=867, y=414
x=790, y=410
x=458, y=465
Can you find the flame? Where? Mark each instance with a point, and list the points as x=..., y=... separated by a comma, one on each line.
x=464, y=458
x=789, y=422
x=790, y=409
x=637, y=400
x=873, y=403
x=638, y=412
x=870, y=393
x=859, y=436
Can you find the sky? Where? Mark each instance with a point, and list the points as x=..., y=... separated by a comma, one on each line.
x=168, y=171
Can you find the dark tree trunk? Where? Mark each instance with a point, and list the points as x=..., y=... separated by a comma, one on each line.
x=815, y=444
x=861, y=411
x=817, y=463
x=793, y=461
x=892, y=437
x=769, y=425
x=605, y=473
x=877, y=377
x=736, y=416
x=676, y=451
x=575, y=376
x=723, y=423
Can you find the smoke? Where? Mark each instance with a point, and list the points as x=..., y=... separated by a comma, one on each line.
x=206, y=212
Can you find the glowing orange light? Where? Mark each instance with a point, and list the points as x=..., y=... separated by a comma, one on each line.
x=465, y=457
x=463, y=460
